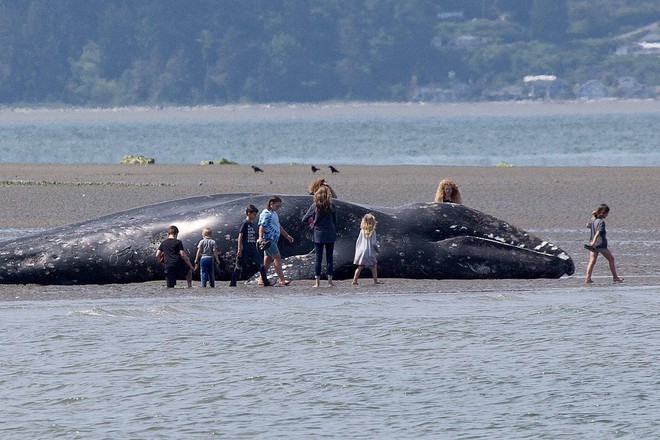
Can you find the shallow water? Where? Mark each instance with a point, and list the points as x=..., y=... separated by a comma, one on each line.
x=529, y=364
x=406, y=359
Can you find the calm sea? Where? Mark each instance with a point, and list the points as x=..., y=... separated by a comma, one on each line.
x=446, y=360
x=493, y=365
x=375, y=135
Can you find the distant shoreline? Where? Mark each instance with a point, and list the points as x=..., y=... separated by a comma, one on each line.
x=287, y=111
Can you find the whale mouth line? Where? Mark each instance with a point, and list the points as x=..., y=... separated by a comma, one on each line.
x=520, y=247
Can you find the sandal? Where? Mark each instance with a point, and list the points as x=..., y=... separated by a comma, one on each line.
x=283, y=283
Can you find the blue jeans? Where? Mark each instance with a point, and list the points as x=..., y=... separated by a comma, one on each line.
x=206, y=271
x=329, y=259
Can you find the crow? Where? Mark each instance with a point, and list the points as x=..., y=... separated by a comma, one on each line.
x=333, y=169
x=314, y=169
x=257, y=169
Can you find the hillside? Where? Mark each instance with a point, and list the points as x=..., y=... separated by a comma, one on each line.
x=129, y=52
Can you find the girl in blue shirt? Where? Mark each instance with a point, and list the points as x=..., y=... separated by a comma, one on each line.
x=270, y=231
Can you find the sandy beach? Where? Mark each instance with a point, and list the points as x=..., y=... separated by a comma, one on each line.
x=554, y=201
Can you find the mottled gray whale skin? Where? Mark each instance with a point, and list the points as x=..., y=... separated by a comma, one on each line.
x=420, y=240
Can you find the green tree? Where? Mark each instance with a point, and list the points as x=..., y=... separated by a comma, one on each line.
x=549, y=20
x=87, y=86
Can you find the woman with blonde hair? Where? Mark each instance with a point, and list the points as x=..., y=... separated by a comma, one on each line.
x=319, y=183
x=448, y=192
x=323, y=220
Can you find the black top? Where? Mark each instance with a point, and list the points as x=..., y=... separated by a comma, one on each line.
x=325, y=224
x=171, y=248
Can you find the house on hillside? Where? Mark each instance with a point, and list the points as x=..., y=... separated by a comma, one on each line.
x=643, y=41
x=467, y=41
x=451, y=16
x=547, y=87
x=628, y=87
x=538, y=86
x=506, y=93
x=592, y=89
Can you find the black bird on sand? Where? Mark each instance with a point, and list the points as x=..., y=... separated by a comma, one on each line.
x=314, y=169
x=333, y=169
x=257, y=169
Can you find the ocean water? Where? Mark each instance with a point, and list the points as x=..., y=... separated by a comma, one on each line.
x=515, y=365
x=379, y=136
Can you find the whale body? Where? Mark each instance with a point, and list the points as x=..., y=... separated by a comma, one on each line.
x=419, y=240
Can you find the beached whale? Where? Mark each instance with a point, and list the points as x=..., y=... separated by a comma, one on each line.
x=420, y=240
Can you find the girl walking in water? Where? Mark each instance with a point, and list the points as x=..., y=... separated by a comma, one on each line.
x=598, y=243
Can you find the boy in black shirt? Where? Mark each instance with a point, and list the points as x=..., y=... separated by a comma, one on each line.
x=247, y=257
x=175, y=259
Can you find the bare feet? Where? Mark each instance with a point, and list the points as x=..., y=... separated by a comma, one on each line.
x=378, y=282
x=355, y=283
x=317, y=284
x=283, y=282
x=331, y=284
x=588, y=282
x=617, y=280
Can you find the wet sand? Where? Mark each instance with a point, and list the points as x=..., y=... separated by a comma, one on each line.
x=552, y=202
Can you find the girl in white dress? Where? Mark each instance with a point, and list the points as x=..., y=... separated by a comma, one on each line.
x=367, y=249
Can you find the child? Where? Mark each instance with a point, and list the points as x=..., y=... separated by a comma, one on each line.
x=367, y=248
x=598, y=243
x=247, y=248
x=207, y=253
x=270, y=231
x=174, y=257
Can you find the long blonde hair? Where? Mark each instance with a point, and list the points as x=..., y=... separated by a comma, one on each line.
x=368, y=224
x=455, y=191
x=315, y=185
x=323, y=200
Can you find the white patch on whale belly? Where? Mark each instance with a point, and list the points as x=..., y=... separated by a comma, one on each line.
x=480, y=269
x=542, y=245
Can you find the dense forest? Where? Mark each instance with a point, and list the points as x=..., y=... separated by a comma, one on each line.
x=128, y=52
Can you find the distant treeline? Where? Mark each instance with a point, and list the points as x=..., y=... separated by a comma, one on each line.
x=127, y=52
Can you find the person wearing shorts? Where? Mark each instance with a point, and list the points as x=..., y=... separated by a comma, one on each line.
x=271, y=230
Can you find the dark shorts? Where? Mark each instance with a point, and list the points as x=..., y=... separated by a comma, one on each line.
x=248, y=260
x=178, y=272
